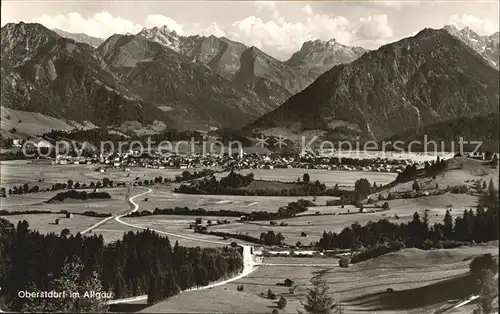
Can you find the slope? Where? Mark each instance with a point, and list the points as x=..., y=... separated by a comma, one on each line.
x=416, y=81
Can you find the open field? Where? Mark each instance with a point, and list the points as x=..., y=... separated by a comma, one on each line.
x=18, y=172
x=328, y=177
x=164, y=197
x=44, y=223
x=179, y=225
x=407, y=272
x=461, y=171
x=315, y=225
x=423, y=282
x=36, y=201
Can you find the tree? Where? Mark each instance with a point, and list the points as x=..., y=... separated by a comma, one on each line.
x=319, y=299
x=494, y=160
x=488, y=292
x=282, y=303
x=306, y=178
x=386, y=206
x=271, y=295
x=491, y=187
x=70, y=184
x=65, y=232
x=416, y=186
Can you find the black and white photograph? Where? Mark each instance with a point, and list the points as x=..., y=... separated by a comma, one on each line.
x=247, y=157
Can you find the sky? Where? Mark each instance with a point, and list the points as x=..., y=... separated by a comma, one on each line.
x=277, y=27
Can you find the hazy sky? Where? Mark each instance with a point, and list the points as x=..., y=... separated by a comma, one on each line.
x=277, y=27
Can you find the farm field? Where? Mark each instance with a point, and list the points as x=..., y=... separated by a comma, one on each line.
x=315, y=225
x=328, y=177
x=36, y=201
x=15, y=173
x=164, y=197
x=44, y=223
x=179, y=225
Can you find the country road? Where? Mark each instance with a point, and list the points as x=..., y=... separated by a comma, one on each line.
x=248, y=262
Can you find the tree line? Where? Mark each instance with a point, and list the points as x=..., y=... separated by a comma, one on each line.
x=380, y=237
x=139, y=263
x=288, y=211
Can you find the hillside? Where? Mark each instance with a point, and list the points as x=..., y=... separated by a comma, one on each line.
x=59, y=77
x=81, y=38
x=416, y=81
x=187, y=90
x=486, y=46
x=451, y=131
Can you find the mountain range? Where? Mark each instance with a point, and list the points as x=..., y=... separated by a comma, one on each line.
x=430, y=77
x=158, y=77
x=187, y=82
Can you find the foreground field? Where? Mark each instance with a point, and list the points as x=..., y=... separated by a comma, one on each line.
x=423, y=282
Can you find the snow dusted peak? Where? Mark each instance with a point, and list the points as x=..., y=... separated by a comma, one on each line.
x=162, y=35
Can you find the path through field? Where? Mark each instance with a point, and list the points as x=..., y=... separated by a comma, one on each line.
x=248, y=262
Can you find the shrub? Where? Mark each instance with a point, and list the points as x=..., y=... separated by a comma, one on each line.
x=483, y=262
x=386, y=206
x=239, y=288
x=275, y=311
x=389, y=290
x=344, y=262
x=303, y=234
x=282, y=303
x=288, y=282
x=271, y=295
x=234, y=244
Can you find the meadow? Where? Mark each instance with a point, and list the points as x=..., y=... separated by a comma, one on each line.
x=328, y=177
x=423, y=281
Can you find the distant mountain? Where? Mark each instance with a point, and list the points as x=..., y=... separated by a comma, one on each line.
x=486, y=46
x=185, y=89
x=320, y=56
x=220, y=54
x=43, y=72
x=253, y=70
x=451, y=131
x=416, y=81
x=81, y=38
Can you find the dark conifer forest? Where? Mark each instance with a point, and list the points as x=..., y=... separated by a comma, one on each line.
x=141, y=263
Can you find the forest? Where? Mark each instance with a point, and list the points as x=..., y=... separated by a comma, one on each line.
x=138, y=264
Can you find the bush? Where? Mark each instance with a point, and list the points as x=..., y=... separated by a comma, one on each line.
x=234, y=244
x=483, y=262
x=275, y=311
x=344, y=262
x=282, y=303
x=288, y=282
x=239, y=288
x=386, y=206
x=389, y=290
x=271, y=295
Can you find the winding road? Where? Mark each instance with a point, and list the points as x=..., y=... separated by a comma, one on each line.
x=248, y=260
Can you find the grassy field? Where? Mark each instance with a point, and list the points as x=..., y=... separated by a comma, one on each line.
x=44, y=223
x=314, y=226
x=20, y=172
x=328, y=177
x=36, y=201
x=423, y=282
x=461, y=171
x=163, y=197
